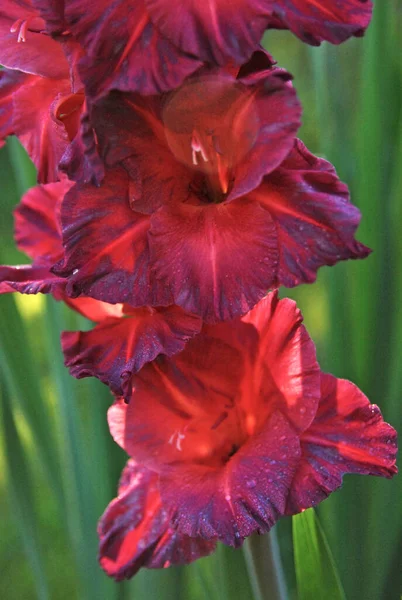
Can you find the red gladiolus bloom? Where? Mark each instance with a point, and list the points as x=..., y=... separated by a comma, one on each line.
x=151, y=46
x=135, y=530
x=125, y=338
x=239, y=429
x=123, y=49
x=218, y=31
x=212, y=200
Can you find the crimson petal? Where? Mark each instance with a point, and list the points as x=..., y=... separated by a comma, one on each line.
x=124, y=50
x=27, y=279
x=215, y=31
x=348, y=435
x=118, y=347
x=135, y=531
x=39, y=54
x=314, y=219
x=106, y=248
x=247, y=495
x=37, y=231
x=315, y=21
x=217, y=260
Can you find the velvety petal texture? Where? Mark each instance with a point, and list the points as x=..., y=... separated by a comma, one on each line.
x=106, y=249
x=314, y=220
x=315, y=21
x=135, y=529
x=24, y=44
x=43, y=113
x=119, y=346
x=124, y=50
x=348, y=435
x=239, y=429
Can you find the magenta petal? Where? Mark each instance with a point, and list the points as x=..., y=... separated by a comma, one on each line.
x=314, y=219
x=348, y=435
x=314, y=21
x=135, y=531
x=118, y=347
x=217, y=260
x=247, y=495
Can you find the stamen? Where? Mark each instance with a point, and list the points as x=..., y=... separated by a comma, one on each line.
x=197, y=147
x=176, y=435
x=21, y=25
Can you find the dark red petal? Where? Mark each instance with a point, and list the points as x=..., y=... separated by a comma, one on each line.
x=216, y=31
x=284, y=370
x=52, y=12
x=39, y=54
x=10, y=81
x=248, y=494
x=217, y=260
x=279, y=114
x=348, y=435
x=37, y=228
x=314, y=219
x=124, y=50
x=27, y=279
x=119, y=347
x=314, y=21
x=81, y=161
x=135, y=531
x=130, y=129
x=106, y=248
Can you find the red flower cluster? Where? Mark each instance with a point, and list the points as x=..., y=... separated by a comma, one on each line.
x=173, y=196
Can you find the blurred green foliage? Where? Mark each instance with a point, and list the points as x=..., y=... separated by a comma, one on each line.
x=58, y=465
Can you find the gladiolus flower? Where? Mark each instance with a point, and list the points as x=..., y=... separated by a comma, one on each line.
x=151, y=46
x=241, y=428
x=135, y=530
x=211, y=200
x=125, y=337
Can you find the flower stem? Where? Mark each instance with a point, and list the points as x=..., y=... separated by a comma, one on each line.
x=264, y=567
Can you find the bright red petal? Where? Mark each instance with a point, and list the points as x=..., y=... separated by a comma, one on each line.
x=177, y=403
x=94, y=310
x=284, y=369
x=314, y=21
x=124, y=50
x=348, y=435
x=37, y=230
x=247, y=495
x=217, y=260
x=119, y=347
x=106, y=248
x=135, y=530
x=314, y=219
x=43, y=114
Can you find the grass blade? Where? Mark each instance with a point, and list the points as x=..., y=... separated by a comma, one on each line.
x=316, y=573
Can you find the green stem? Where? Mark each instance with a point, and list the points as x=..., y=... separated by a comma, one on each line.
x=264, y=567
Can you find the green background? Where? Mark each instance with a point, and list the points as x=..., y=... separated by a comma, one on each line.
x=58, y=465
